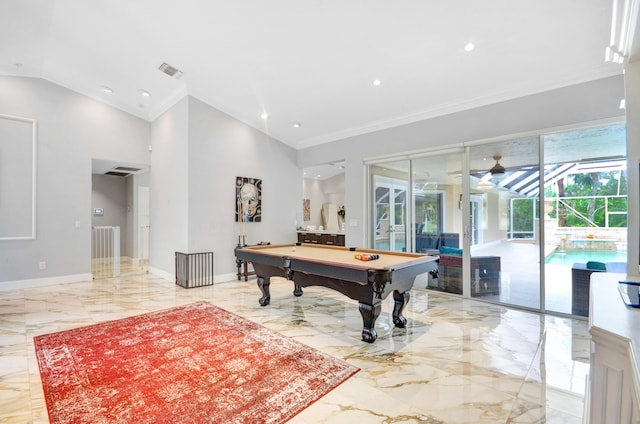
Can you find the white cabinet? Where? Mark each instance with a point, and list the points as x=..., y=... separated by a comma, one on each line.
x=615, y=331
x=614, y=397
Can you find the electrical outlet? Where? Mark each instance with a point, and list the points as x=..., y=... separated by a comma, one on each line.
x=42, y=265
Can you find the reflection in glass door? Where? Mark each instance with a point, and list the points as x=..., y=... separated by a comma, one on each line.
x=390, y=184
x=437, y=217
x=476, y=217
x=585, y=213
x=504, y=268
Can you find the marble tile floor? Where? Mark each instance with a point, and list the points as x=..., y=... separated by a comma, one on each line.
x=458, y=360
x=104, y=268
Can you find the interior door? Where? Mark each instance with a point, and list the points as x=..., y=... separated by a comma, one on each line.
x=390, y=208
x=390, y=217
x=382, y=220
x=143, y=226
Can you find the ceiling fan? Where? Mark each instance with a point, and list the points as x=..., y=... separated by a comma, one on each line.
x=497, y=172
x=497, y=169
x=493, y=176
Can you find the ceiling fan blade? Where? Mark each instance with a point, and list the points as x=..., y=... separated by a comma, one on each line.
x=486, y=178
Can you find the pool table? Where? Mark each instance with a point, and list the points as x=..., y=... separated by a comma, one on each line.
x=368, y=282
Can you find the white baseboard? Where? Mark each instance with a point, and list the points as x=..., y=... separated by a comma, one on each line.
x=225, y=278
x=220, y=278
x=162, y=273
x=52, y=281
x=42, y=282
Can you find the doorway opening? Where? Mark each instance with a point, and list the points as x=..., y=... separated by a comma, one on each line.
x=119, y=219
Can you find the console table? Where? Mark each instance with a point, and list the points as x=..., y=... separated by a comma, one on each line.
x=320, y=237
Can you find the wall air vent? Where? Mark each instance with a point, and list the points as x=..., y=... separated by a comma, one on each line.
x=170, y=70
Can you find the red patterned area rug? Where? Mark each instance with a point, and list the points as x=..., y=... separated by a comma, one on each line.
x=192, y=364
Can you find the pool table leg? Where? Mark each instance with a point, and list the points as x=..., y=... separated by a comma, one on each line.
x=297, y=288
x=263, y=285
x=369, y=315
x=399, y=300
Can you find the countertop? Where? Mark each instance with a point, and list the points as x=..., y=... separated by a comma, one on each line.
x=320, y=232
x=611, y=318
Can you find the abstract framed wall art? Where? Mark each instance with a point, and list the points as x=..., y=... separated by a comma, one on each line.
x=306, y=209
x=248, y=199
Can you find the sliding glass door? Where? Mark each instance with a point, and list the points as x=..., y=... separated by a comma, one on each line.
x=504, y=226
x=507, y=229
x=585, y=212
x=437, y=216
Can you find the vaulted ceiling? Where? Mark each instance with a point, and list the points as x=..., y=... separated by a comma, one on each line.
x=311, y=62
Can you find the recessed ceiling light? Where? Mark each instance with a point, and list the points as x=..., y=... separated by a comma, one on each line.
x=144, y=93
x=469, y=46
x=264, y=116
x=107, y=89
x=297, y=125
x=377, y=82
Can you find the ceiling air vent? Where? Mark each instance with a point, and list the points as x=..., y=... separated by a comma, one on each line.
x=170, y=70
x=117, y=174
x=127, y=169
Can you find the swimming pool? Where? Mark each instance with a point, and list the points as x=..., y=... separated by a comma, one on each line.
x=569, y=257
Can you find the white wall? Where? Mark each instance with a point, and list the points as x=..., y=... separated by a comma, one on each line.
x=318, y=192
x=313, y=190
x=198, y=151
x=72, y=129
x=199, y=165
x=169, y=187
x=566, y=106
x=333, y=188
